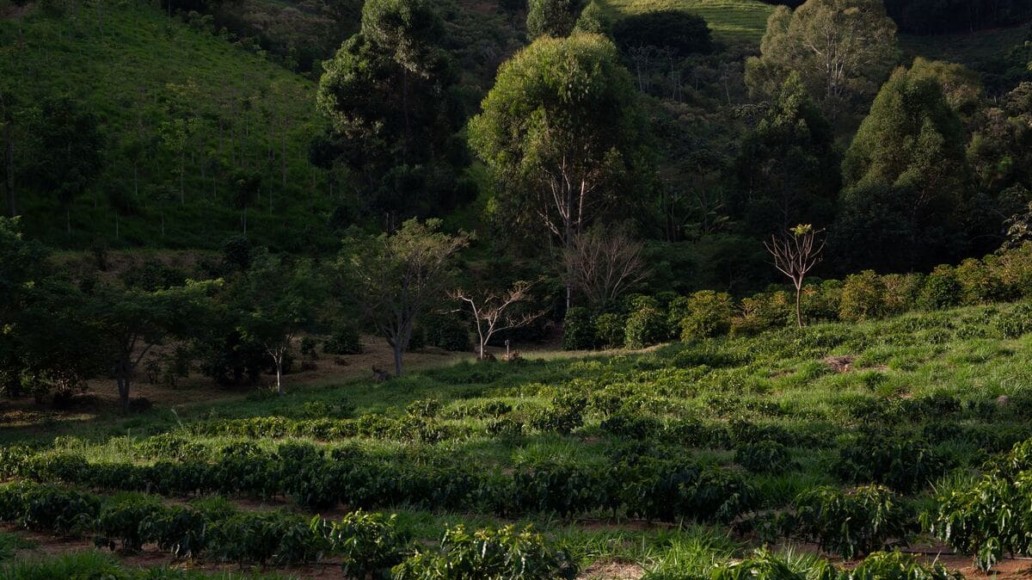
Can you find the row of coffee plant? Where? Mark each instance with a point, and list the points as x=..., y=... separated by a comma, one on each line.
x=650, y=486
x=365, y=544
x=646, y=320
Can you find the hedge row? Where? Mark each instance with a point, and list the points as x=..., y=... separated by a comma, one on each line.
x=366, y=544
x=650, y=487
x=866, y=295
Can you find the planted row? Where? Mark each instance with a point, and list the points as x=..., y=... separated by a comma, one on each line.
x=641, y=485
x=366, y=544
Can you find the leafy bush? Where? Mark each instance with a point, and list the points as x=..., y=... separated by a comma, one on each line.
x=760, y=313
x=264, y=537
x=503, y=554
x=898, y=566
x=1017, y=324
x=902, y=463
x=609, y=330
x=646, y=324
x=941, y=289
x=122, y=519
x=990, y=516
x=863, y=297
x=977, y=283
x=48, y=508
x=763, y=565
x=901, y=292
x=177, y=530
x=565, y=415
x=674, y=30
x=369, y=544
x=854, y=522
x=764, y=457
x=447, y=331
x=578, y=331
x=344, y=340
x=709, y=315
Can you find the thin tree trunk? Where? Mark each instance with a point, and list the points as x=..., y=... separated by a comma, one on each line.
x=798, y=305
x=397, y=358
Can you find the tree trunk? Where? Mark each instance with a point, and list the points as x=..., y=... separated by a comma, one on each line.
x=798, y=305
x=398, y=351
x=12, y=205
x=123, y=374
x=279, y=374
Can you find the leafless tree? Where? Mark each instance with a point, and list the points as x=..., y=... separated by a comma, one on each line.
x=795, y=254
x=492, y=312
x=603, y=265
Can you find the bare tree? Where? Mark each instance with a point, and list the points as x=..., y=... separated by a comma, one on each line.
x=795, y=254
x=603, y=265
x=492, y=312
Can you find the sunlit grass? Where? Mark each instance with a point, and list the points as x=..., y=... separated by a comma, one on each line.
x=729, y=20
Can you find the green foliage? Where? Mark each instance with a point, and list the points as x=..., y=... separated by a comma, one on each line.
x=609, y=330
x=988, y=517
x=709, y=315
x=900, y=462
x=764, y=457
x=763, y=565
x=578, y=330
x=941, y=290
x=899, y=566
x=679, y=32
x=48, y=508
x=555, y=18
x=863, y=297
x=345, y=339
x=368, y=544
x=448, y=331
x=491, y=554
x=852, y=523
x=263, y=537
x=122, y=518
x=646, y=324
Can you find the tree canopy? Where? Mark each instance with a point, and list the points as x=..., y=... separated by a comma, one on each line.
x=841, y=49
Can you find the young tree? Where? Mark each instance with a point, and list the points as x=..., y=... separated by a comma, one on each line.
x=493, y=312
x=603, y=265
x=277, y=301
x=795, y=255
x=563, y=135
x=129, y=323
x=842, y=50
x=398, y=277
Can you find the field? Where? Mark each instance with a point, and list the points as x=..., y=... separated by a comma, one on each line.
x=657, y=464
x=729, y=20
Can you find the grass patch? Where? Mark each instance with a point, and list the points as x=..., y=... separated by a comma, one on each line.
x=729, y=20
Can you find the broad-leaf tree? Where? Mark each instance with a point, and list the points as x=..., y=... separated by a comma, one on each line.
x=398, y=277
x=908, y=158
x=562, y=134
x=841, y=49
x=552, y=17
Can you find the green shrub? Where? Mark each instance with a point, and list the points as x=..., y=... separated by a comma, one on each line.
x=646, y=323
x=487, y=554
x=609, y=330
x=448, y=331
x=898, y=566
x=901, y=292
x=177, y=530
x=578, y=332
x=763, y=565
x=48, y=508
x=852, y=523
x=122, y=519
x=822, y=303
x=941, y=289
x=977, y=283
x=344, y=340
x=709, y=315
x=565, y=415
x=990, y=516
x=902, y=463
x=1013, y=269
x=1017, y=324
x=764, y=456
x=760, y=313
x=264, y=537
x=863, y=297
x=368, y=544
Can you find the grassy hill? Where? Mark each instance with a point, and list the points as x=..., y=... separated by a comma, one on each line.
x=184, y=116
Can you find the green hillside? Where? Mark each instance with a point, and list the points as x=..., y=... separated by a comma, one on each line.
x=194, y=129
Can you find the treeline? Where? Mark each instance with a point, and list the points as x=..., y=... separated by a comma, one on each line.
x=946, y=16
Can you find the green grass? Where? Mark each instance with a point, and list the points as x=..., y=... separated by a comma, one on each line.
x=140, y=72
x=729, y=20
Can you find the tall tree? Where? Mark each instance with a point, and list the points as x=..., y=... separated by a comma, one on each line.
x=398, y=277
x=787, y=169
x=563, y=135
x=555, y=18
x=387, y=93
x=841, y=49
x=909, y=152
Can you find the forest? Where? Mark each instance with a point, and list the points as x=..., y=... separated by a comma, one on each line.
x=587, y=288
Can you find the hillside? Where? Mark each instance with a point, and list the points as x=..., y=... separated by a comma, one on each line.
x=730, y=20
x=195, y=132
